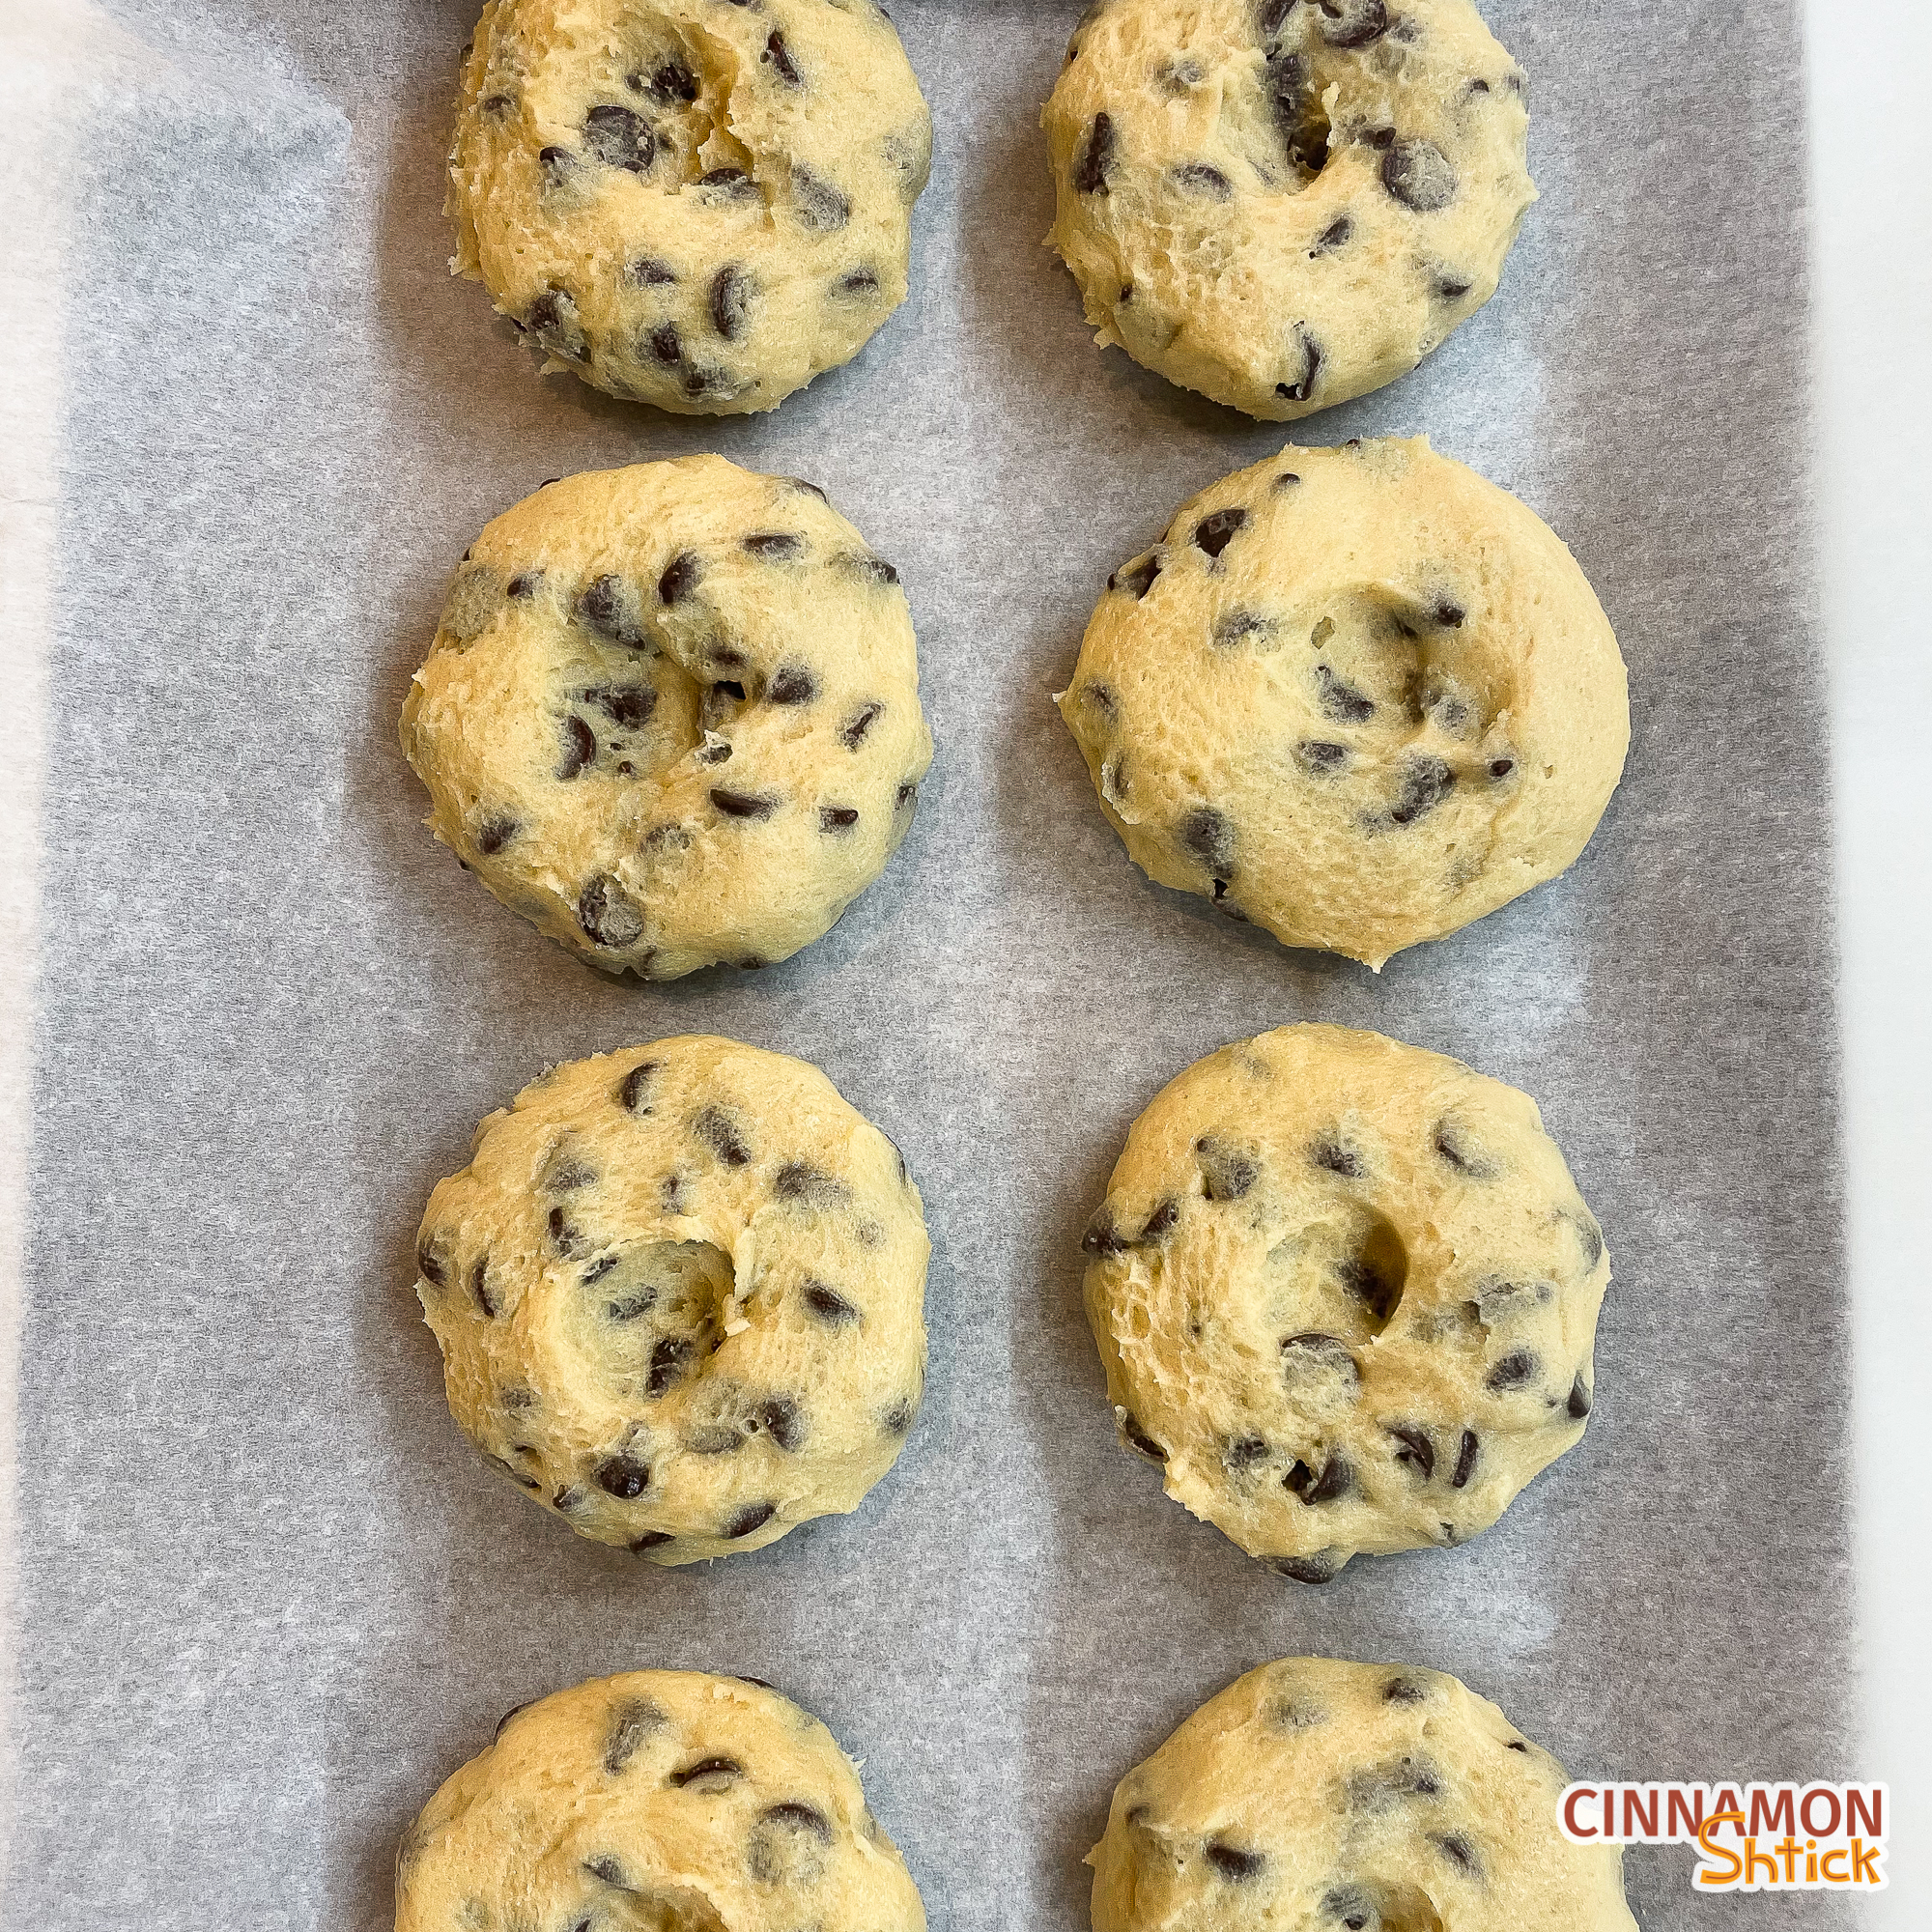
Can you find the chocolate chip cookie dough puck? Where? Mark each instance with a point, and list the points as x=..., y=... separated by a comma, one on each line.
x=1285, y=203
x=1372, y=1796
x=1357, y=695
x=1346, y=1293
x=680, y=1297
x=701, y=204
x=671, y=715
x=659, y=1798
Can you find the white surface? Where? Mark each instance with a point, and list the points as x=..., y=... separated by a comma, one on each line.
x=1872, y=270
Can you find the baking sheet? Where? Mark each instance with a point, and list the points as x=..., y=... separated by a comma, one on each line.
x=266, y=1596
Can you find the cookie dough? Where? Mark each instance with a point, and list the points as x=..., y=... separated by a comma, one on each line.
x=680, y=1297
x=1370, y=1797
x=671, y=715
x=661, y=1799
x=1357, y=695
x=701, y=204
x=1346, y=1293
x=1283, y=204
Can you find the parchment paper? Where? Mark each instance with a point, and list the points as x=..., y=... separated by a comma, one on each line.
x=268, y=1598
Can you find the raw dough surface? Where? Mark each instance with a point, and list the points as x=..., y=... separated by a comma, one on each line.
x=680, y=1295
x=1318, y=1796
x=1360, y=696
x=696, y=204
x=671, y=715
x=659, y=1801
x=1283, y=204
x=1346, y=1293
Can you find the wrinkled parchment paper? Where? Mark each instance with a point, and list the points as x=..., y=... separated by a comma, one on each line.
x=265, y=1596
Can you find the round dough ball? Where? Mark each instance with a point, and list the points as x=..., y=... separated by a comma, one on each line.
x=1347, y=1294
x=680, y=1297
x=661, y=1799
x=1283, y=204
x=1360, y=696
x=1372, y=1796
x=671, y=715
x=695, y=204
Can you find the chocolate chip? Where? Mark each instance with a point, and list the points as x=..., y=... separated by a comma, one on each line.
x=563, y=1237
x=1322, y=1352
x=1461, y=1154
x=665, y=344
x=557, y=165
x=1201, y=177
x=1340, y=700
x=1591, y=1236
x=828, y=1304
x=628, y=704
x=774, y=546
x=552, y=321
x=1425, y=780
x=607, y=1870
x=800, y=1180
x=754, y=1516
x=623, y=1477
x=1320, y=1567
x=1137, y=576
x=1102, y=1237
x=608, y=914
x=1354, y=23
x=1369, y=1280
x=632, y=1306
x=904, y=796
x=670, y=1358
x=597, y=1270
x=722, y=1767
x=1213, y=533
x=1578, y=1403
x=876, y=568
x=791, y=684
x=1403, y=1691
x=1518, y=1744
x=820, y=205
x=1209, y=835
x=1237, y=1867
x=1450, y=288
x=743, y=804
x=1417, y=1449
x=1322, y=757
x=898, y=1418
x=1352, y=1907
x=1512, y=1372
x=1379, y=1786
x=1339, y=1159
x=1287, y=477
x=605, y=607
x=1235, y=627
x=647, y=271
x=780, y=56
x=1244, y=1453
x=1226, y=1174
x=782, y=1420
x=1501, y=768
x=668, y=83
x=524, y=585
x=621, y=138
x=1418, y=175
x=1162, y=1222
x=720, y=1132
x=579, y=746
x=1456, y=1849
x=1103, y=698
x=1333, y=235
x=497, y=104
x=857, y=282
x=515, y=1710
x=1465, y=1460
x=732, y=293
x=732, y=182
x=838, y=817
x=798, y=1816
x=1302, y=387
x=1138, y=1438
x=652, y=1539
x=1089, y=170
x=632, y=1087
x=431, y=1264
x=1334, y=1481
x=634, y=1722
x=1273, y=12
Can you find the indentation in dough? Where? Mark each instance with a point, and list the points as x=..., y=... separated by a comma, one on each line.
x=1341, y=1274
x=659, y=1309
